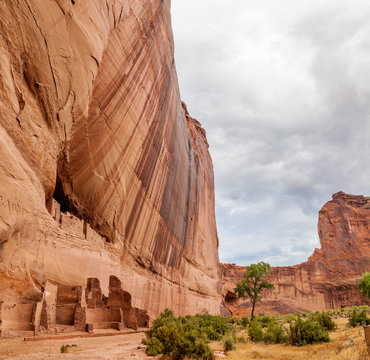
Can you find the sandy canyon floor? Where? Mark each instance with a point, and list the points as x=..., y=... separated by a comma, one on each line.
x=120, y=347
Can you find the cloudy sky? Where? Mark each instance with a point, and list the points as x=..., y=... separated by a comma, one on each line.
x=282, y=88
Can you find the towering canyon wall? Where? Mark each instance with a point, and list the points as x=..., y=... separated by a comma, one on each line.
x=328, y=279
x=104, y=177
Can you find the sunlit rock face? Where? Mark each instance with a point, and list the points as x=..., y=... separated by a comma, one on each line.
x=328, y=279
x=102, y=170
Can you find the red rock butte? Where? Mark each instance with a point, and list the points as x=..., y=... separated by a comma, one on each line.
x=328, y=280
x=107, y=191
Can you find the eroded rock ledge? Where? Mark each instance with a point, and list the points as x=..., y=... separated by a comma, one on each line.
x=328, y=279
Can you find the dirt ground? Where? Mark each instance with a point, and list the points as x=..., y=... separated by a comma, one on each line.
x=120, y=347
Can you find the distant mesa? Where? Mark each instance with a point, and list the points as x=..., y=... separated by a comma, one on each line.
x=328, y=279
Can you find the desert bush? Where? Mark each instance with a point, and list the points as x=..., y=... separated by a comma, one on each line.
x=154, y=346
x=357, y=318
x=234, y=321
x=239, y=322
x=64, y=348
x=264, y=320
x=275, y=334
x=303, y=332
x=324, y=319
x=255, y=332
x=245, y=321
x=241, y=339
x=289, y=317
x=229, y=343
x=272, y=330
x=364, y=285
x=192, y=345
x=186, y=336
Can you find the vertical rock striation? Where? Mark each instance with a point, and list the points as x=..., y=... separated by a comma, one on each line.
x=102, y=170
x=328, y=280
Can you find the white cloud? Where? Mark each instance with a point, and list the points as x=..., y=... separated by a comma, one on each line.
x=282, y=89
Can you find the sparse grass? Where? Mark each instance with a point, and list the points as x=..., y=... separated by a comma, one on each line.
x=229, y=343
x=346, y=344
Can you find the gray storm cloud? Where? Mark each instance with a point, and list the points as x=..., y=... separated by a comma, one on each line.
x=282, y=88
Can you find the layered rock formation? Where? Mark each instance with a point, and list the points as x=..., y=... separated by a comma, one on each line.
x=328, y=279
x=103, y=173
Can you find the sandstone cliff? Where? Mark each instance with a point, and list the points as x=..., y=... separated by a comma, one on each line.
x=328, y=279
x=105, y=178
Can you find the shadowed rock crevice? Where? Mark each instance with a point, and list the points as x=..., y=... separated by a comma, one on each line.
x=61, y=197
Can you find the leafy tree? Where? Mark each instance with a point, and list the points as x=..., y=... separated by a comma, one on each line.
x=364, y=285
x=253, y=283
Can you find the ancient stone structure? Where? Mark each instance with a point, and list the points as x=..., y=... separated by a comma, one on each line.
x=328, y=279
x=62, y=308
x=104, y=176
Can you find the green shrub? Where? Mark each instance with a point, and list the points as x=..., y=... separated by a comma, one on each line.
x=241, y=339
x=356, y=318
x=255, y=332
x=290, y=317
x=186, y=336
x=229, y=343
x=275, y=334
x=154, y=346
x=234, y=321
x=245, y=321
x=364, y=285
x=303, y=332
x=191, y=344
x=324, y=319
x=264, y=320
x=64, y=348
